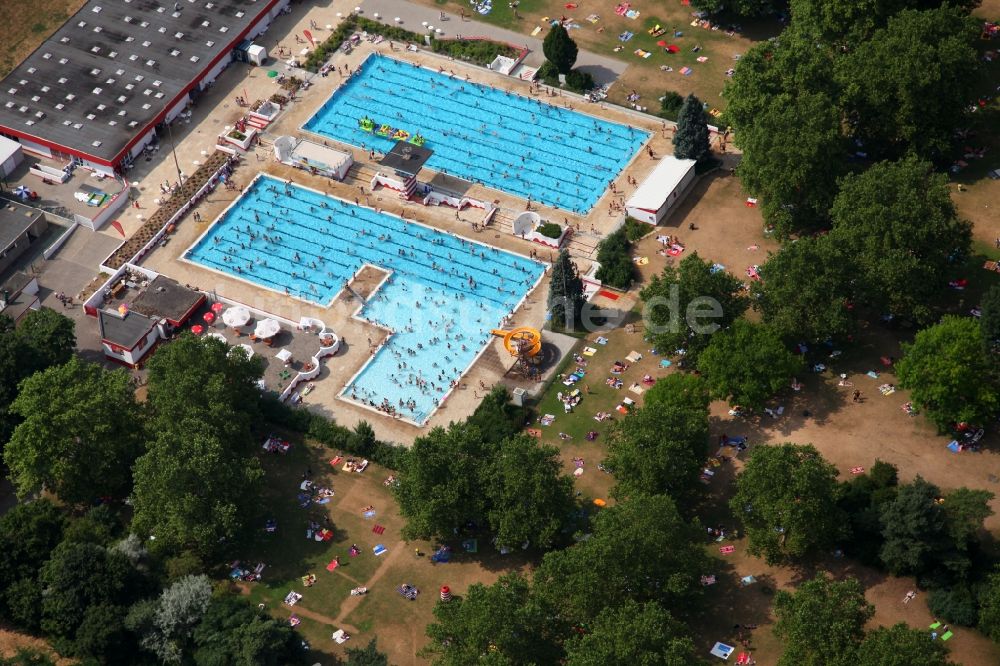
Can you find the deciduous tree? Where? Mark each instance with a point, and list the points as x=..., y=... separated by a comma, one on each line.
x=950, y=373
x=685, y=305
x=990, y=319
x=747, y=364
x=44, y=338
x=906, y=89
x=234, y=632
x=80, y=434
x=661, y=447
x=806, y=293
x=644, y=570
x=614, y=254
x=192, y=491
x=439, y=484
x=530, y=499
x=630, y=635
x=901, y=645
x=786, y=497
x=898, y=224
x=503, y=623
x=927, y=538
x=822, y=622
x=79, y=576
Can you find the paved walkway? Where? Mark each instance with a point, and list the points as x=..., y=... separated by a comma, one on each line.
x=603, y=69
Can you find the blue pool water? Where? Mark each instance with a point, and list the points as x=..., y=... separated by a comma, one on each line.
x=442, y=300
x=505, y=141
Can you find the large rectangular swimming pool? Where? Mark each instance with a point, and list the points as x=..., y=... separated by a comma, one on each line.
x=511, y=143
x=443, y=297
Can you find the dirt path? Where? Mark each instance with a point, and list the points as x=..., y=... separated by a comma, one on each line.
x=351, y=603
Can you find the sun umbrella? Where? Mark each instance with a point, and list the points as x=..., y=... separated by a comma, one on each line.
x=661, y=43
x=22, y=191
x=236, y=316
x=218, y=336
x=218, y=307
x=208, y=317
x=673, y=48
x=267, y=328
x=197, y=329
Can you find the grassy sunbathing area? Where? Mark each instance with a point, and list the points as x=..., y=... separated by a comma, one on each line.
x=692, y=58
x=361, y=512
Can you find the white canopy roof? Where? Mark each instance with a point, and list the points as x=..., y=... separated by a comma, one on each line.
x=267, y=328
x=236, y=316
x=664, y=179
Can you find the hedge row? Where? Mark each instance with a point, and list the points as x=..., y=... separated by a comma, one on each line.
x=477, y=51
x=357, y=442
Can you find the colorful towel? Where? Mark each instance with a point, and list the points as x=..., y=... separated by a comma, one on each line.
x=702, y=58
x=625, y=36
x=632, y=14
x=641, y=53
x=594, y=18
x=370, y=513
x=537, y=30
x=686, y=71
x=378, y=529
x=332, y=565
x=664, y=363
x=379, y=549
x=607, y=294
x=589, y=351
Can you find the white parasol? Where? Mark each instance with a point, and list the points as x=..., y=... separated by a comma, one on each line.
x=284, y=356
x=267, y=328
x=236, y=316
x=218, y=336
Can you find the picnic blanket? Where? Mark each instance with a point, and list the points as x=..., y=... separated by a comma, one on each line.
x=664, y=363
x=632, y=14
x=589, y=351
x=686, y=71
x=379, y=550
x=594, y=18
x=602, y=340
x=332, y=565
x=292, y=598
x=633, y=357
x=642, y=54
x=625, y=36
x=378, y=529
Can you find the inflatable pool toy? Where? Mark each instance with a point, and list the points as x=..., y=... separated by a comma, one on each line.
x=400, y=135
x=384, y=130
x=417, y=140
x=367, y=124
x=523, y=341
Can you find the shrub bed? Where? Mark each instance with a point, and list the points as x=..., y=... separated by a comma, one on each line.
x=550, y=230
x=476, y=51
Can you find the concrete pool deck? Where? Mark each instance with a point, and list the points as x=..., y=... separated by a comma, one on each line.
x=216, y=109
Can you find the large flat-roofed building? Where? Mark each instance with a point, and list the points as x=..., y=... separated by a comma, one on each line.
x=97, y=89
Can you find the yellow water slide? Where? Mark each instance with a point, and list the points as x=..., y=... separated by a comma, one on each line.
x=523, y=341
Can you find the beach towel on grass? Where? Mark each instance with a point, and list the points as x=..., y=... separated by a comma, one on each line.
x=642, y=54
x=686, y=71
x=379, y=549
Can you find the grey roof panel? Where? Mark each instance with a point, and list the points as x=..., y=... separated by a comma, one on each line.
x=135, y=56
